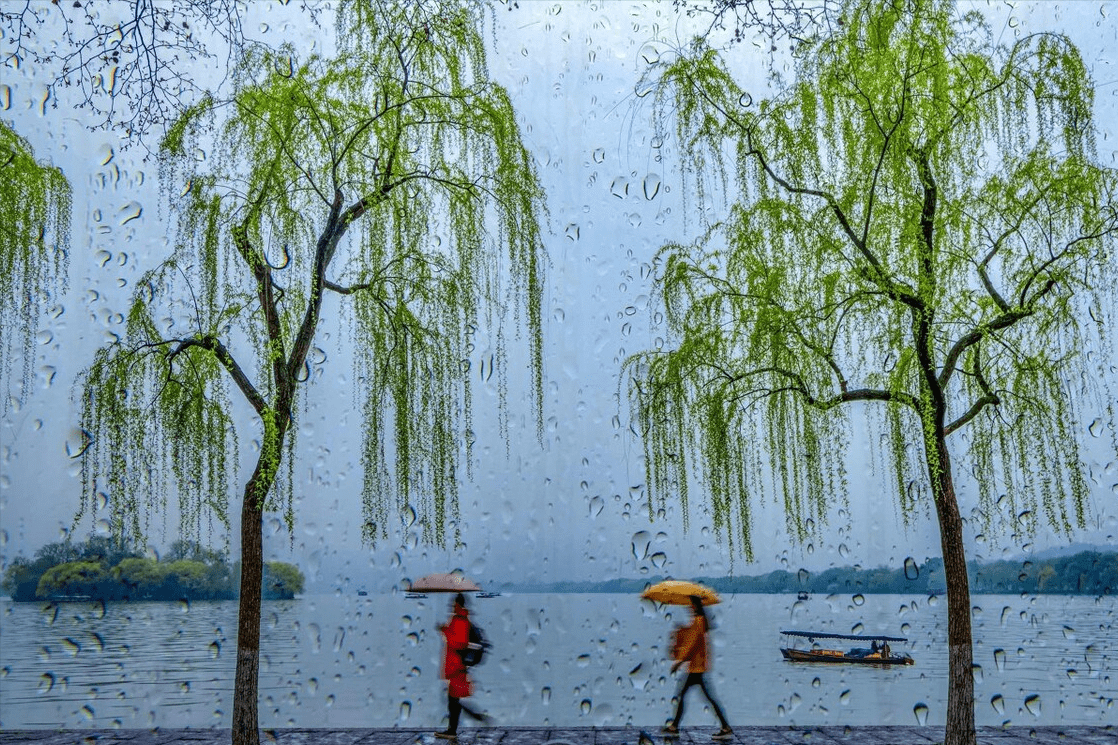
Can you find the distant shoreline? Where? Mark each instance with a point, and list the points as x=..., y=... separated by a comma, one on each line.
x=1090, y=573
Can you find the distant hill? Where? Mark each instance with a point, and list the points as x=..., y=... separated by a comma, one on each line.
x=1084, y=573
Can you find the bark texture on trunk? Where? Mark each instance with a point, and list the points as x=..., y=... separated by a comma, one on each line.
x=960, y=651
x=245, y=689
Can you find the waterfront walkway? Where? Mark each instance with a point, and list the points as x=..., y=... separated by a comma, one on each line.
x=884, y=735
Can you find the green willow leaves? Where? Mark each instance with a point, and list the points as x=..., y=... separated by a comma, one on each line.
x=392, y=177
x=35, y=204
x=917, y=220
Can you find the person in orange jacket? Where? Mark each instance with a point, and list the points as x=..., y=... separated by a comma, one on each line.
x=690, y=647
x=456, y=632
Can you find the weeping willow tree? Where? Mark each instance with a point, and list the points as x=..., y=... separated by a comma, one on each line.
x=35, y=204
x=392, y=176
x=918, y=229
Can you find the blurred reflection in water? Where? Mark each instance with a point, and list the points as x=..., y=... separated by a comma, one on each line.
x=600, y=659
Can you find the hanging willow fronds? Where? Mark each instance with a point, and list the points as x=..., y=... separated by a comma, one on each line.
x=917, y=221
x=35, y=204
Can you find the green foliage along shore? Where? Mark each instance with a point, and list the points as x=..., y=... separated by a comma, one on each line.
x=103, y=569
x=1085, y=573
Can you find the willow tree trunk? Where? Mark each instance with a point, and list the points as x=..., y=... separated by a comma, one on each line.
x=245, y=685
x=960, y=651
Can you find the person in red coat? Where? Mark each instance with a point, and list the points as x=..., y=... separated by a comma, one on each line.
x=456, y=633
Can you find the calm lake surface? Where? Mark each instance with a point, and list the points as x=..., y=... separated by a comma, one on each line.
x=596, y=659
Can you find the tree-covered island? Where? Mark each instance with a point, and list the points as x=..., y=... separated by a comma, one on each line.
x=103, y=569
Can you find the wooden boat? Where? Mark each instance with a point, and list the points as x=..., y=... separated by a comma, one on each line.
x=873, y=654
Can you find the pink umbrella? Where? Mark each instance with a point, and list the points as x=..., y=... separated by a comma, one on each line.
x=443, y=582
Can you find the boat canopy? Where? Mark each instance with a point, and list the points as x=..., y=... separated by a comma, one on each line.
x=827, y=635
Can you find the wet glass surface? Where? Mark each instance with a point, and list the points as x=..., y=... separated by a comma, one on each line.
x=568, y=505
x=566, y=660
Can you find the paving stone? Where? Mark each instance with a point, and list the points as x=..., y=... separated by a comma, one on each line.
x=883, y=735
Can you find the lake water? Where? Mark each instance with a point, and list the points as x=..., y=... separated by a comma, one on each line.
x=349, y=661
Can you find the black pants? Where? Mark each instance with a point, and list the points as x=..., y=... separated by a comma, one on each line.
x=697, y=679
x=455, y=707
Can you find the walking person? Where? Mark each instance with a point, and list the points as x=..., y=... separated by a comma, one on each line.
x=691, y=648
x=456, y=633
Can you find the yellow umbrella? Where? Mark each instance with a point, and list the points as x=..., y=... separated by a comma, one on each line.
x=679, y=592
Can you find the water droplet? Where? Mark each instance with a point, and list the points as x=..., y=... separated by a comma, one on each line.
x=745, y=100
x=215, y=649
x=130, y=212
x=46, y=683
x=844, y=697
x=651, y=186
x=1096, y=428
x=599, y=155
x=816, y=682
x=405, y=710
x=911, y=571
x=998, y=703
x=585, y=706
x=921, y=712
x=859, y=599
x=545, y=695
x=1032, y=704
x=642, y=540
x=999, y=659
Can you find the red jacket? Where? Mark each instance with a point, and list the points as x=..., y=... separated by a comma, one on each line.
x=457, y=636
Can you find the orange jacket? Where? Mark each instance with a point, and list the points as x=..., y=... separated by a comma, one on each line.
x=691, y=646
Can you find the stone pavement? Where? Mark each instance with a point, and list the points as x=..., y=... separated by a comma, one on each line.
x=886, y=735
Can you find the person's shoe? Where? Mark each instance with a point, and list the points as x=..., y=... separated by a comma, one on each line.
x=723, y=734
x=446, y=735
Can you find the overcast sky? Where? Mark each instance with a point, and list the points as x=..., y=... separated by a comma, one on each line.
x=571, y=510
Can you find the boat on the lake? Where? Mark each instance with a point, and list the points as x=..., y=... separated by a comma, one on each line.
x=877, y=651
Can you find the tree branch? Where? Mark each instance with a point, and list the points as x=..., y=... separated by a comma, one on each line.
x=222, y=354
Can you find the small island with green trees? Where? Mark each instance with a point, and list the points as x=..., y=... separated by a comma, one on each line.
x=104, y=569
